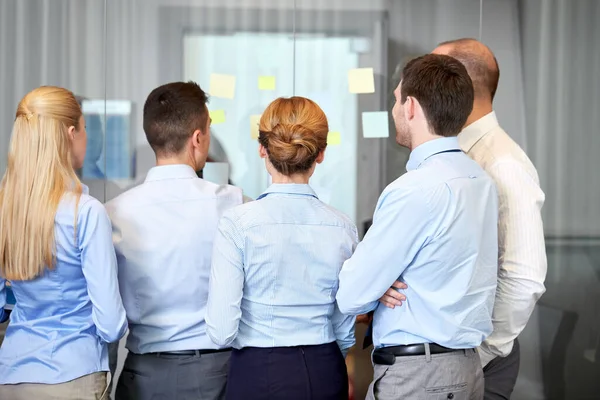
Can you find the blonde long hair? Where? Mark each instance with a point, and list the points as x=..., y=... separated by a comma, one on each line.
x=38, y=174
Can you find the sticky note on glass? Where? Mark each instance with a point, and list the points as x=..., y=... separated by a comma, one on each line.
x=222, y=86
x=217, y=116
x=266, y=83
x=375, y=124
x=361, y=80
x=334, y=138
x=254, y=120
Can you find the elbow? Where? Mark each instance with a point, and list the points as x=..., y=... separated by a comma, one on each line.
x=349, y=306
x=117, y=330
x=220, y=338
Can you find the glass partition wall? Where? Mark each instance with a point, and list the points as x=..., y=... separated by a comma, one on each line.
x=347, y=56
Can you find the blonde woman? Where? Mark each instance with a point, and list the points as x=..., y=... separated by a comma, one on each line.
x=56, y=251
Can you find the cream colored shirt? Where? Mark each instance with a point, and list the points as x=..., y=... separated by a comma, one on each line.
x=522, y=253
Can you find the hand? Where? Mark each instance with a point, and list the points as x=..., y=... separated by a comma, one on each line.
x=393, y=298
x=364, y=318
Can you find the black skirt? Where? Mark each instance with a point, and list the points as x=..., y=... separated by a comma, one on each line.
x=291, y=373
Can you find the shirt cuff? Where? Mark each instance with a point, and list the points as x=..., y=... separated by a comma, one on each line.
x=485, y=356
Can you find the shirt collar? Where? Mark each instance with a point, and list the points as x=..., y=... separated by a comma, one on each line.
x=289, y=188
x=178, y=171
x=474, y=132
x=428, y=149
x=85, y=189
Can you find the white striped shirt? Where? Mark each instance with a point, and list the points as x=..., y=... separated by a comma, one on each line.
x=522, y=253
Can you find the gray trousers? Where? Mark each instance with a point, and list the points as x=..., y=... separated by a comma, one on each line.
x=457, y=375
x=153, y=377
x=89, y=387
x=501, y=375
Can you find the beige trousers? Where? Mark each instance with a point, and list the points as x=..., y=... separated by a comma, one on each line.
x=89, y=387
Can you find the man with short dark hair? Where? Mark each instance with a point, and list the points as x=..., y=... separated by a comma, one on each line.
x=163, y=233
x=522, y=261
x=433, y=229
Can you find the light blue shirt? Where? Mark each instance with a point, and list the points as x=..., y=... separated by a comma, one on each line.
x=63, y=319
x=275, y=271
x=436, y=229
x=163, y=232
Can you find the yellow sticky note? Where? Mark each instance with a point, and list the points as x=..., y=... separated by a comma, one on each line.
x=254, y=120
x=361, y=80
x=334, y=138
x=217, y=116
x=266, y=83
x=222, y=86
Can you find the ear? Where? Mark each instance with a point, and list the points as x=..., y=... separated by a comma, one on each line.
x=71, y=132
x=410, y=108
x=197, y=138
x=262, y=152
x=320, y=157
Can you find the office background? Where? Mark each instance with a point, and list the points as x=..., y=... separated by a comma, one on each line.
x=113, y=52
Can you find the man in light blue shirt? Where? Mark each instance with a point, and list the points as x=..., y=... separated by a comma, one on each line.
x=435, y=229
x=163, y=233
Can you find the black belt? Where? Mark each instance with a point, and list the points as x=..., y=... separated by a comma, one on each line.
x=190, y=352
x=387, y=355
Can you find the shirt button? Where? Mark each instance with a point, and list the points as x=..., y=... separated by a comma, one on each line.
x=472, y=176
x=450, y=396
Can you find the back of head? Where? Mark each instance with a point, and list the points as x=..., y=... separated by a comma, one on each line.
x=480, y=62
x=293, y=131
x=444, y=90
x=172, y=113
x=38, y=174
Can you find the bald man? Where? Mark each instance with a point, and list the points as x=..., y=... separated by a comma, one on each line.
x=522, y=252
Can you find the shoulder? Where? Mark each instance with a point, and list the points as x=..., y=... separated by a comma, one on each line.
x=338, y=217
x=90, y=205
x=222, y=191
x=88, y=208
x=497, y=151
x=245, y=214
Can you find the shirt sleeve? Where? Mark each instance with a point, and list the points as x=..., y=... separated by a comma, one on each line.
x=343, y=325
x=99, y=265
x=226, y=285
x=398, y=232
x=522, y=256
x=3, y=313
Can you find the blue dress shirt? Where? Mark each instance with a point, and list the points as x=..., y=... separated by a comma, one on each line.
x=163, y=232
x=275, y=271
x=436, y=229
x=63, y=319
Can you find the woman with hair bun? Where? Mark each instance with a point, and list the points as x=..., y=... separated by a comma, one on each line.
x=56, y=251
x=275, y=271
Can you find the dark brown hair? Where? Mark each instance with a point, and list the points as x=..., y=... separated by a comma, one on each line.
x=444, y=90
x=293, y=131
x=480, y=62
x=172, y=113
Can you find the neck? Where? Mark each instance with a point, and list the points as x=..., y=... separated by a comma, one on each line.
x=481, y=108
x=174, y=160
x=422, y=136
x=296, y=178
